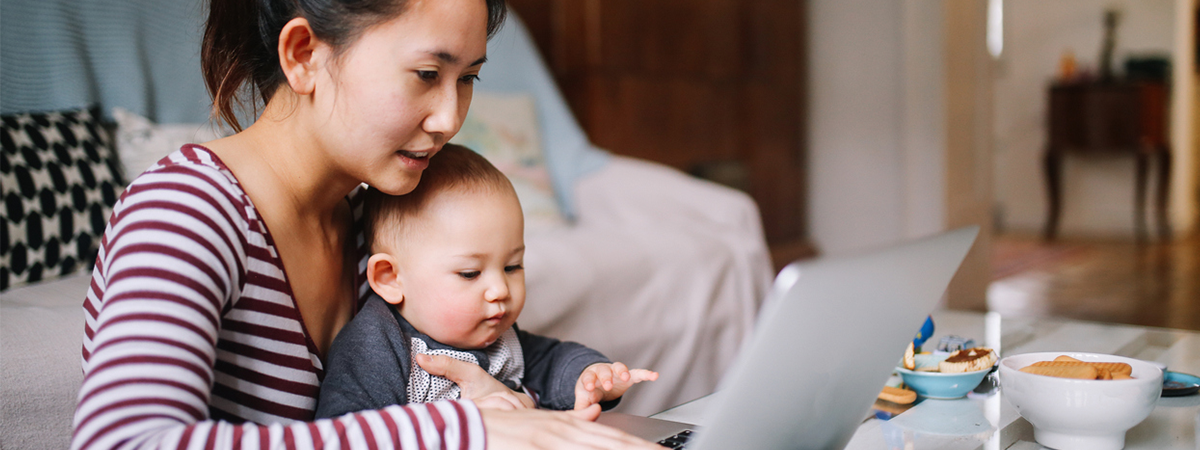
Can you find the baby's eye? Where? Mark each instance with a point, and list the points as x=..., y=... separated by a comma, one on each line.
x=470, y=275
x=427, y=75
x=513, y=268
x=469, y=79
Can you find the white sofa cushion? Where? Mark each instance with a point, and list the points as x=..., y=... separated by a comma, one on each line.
x=41, y=340
x=141, y=142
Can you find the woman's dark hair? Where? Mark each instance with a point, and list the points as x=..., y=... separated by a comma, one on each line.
x=241, y=39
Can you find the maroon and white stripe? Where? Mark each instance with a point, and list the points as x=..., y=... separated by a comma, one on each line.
x=193, y=339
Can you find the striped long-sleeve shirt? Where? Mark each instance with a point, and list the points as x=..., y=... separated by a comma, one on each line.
x=193, y=338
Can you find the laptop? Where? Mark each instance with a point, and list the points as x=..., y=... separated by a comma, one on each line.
x=827, y=338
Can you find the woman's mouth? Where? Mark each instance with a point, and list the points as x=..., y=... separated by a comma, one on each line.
x=415, y=160
x=414, y=155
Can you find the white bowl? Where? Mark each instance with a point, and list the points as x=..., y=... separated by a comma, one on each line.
x=1070, y=414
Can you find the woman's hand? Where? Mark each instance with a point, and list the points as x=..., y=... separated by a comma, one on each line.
x=511, y=421
x=570, y=430
x=474, y=383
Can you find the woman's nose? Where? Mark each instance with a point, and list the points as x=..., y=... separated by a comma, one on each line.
x=444, y=115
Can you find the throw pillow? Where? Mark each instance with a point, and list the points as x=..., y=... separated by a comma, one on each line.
x=141, y=143
x=59, y=179
x=504, y=129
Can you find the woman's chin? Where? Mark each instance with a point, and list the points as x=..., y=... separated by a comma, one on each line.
x=398, y=187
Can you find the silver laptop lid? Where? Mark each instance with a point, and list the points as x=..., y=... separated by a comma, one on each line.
x=826, y=340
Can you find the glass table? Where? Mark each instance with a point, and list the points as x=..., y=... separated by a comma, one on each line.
x=988, y=422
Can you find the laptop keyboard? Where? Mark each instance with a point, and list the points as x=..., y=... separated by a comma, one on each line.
x=678, y=441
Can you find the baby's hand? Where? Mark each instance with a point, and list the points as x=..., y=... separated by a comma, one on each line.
x=604, y=382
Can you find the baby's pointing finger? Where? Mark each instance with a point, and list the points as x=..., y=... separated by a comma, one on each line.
x=640, y=375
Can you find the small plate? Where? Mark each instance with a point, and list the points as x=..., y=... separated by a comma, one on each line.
x=1177, y=384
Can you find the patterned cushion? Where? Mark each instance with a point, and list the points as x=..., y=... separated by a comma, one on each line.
x=58, y=179
x=504, y=129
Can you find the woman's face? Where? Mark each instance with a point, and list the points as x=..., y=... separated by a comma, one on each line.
x=400, y=91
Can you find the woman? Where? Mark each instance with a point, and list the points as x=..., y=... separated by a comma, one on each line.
x=227, y=269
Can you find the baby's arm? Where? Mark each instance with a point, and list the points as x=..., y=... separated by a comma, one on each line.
x=603, y=382
x=553, y=367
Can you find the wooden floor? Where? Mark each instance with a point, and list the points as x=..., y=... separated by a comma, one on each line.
x=1106, y=281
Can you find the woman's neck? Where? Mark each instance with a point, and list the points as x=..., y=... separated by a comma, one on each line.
x=279, y=163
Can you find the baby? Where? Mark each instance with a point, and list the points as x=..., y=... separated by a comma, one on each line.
x=446, y=270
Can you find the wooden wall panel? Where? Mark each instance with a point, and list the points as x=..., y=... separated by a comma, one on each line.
x=706, y=86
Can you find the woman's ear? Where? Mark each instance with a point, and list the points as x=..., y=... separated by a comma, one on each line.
x=298, y=55
x=384, y=276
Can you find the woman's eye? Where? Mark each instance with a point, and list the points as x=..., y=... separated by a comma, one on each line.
x=469, y=79
x=513, y=268
x=427, y=75
x=470, y=275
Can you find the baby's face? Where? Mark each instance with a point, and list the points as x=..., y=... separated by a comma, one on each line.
x=460, y=267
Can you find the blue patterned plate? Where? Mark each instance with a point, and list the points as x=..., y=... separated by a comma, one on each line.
x=1176, y=384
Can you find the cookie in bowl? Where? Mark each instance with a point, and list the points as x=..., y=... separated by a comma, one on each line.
x=968, y=360
x=1075, y=407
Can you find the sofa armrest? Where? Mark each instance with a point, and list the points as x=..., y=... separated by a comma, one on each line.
x=639, y=194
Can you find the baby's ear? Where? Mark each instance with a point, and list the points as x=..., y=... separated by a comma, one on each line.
x=383, y=275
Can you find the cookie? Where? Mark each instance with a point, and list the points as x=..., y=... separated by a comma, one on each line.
x=1110, y=367
x=968, y=360
x=1080, y=372
x=897, y=395
x=910, y=361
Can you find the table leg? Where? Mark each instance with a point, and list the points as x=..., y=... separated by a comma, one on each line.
x=1164, y=185
x=1139, y=196
x=1052, y=165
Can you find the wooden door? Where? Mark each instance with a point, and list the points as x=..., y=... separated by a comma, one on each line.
x=711, y=87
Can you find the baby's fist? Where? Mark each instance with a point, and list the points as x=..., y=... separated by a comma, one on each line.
x=603, y=382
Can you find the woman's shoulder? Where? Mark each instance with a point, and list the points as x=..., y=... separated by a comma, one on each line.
x=188, y=175
x=190, y=161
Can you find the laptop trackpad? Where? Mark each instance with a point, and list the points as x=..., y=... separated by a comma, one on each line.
x=652, y=430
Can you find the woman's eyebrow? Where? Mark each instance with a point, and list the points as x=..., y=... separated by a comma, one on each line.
x=450, y=58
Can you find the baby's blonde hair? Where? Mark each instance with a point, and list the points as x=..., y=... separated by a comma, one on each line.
x=454, y=168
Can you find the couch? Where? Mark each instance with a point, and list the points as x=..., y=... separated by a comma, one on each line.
x=650, y=266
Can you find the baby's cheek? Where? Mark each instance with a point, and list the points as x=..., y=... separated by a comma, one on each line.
x=457, y=318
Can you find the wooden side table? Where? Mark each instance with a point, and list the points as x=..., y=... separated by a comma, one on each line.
x=1089, y=119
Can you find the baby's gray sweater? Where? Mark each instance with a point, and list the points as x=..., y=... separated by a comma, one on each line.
x=368, y=364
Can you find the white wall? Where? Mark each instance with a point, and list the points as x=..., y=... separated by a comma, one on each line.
x=876, y=133
x=1185, y=170
x=1097, y=193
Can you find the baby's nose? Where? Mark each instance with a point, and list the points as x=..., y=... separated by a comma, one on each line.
x=497, y=291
